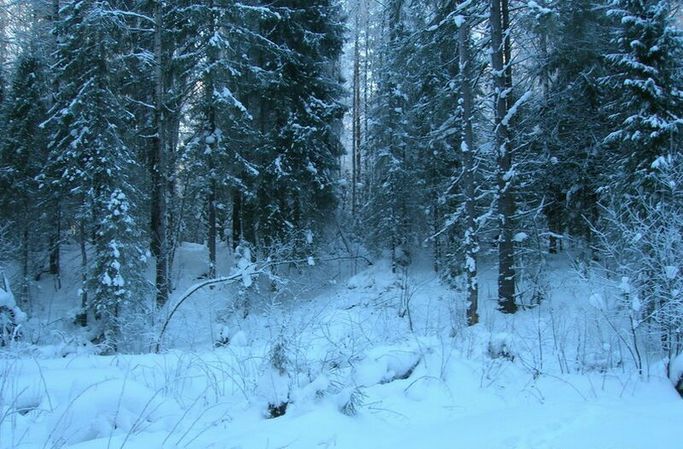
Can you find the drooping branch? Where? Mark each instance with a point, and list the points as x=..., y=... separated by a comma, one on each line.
x=226, y=280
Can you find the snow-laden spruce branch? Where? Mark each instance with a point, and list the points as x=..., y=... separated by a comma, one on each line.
x=252, y=271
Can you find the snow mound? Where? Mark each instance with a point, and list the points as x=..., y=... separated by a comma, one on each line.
x=676, y=372
x=384, y=365
x=11, y=316
x=109, y=408
x=273, y=391
x=361, y=280
x=500, y=346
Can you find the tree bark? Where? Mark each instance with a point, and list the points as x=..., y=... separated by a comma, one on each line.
x=159, y=170
x=502, y=77
x=82, y=318
x=470, y=238
x=56, y=237
x=55, y=243
x=25, y=294
x=209, y=92
x=356, y=159
x=212, y=228
x=236, y=218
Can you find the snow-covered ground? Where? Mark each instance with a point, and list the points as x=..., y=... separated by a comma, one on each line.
x=351, y=370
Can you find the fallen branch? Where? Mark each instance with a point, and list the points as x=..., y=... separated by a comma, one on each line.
x=230, y=279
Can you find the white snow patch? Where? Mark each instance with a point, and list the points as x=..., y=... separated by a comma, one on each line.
x=671, y=272
x=520, y=237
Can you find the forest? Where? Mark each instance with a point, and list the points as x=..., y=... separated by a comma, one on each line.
x=374, y=220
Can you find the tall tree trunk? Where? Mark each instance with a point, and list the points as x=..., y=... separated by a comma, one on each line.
x=366, y=71
x=502, y=76
x=212, y=228
x=236, y=218
x=158, y=170
x=55, y=244
x=82, y=317
x=470, y=239
x=25, y=293
x=554, y=210
x=56, y=236
x=209, y=92
x=355, y=177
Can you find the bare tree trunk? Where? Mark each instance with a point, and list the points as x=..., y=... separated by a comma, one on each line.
x=357, y=101
x=356, y=131
x=366, y=70
x=82, y=318
x=471, y=241
x=553, y=211
x=209, y=92
x=212, y=228
x=436, y=224
x=55, y=246
x=56, y=237
x=502, y=76
x=159, y=170
x=236, y=218
x=25, y=294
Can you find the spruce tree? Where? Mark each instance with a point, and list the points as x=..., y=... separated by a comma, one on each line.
x=91, y=154
x=646, y=79
x=223, y=127
x=391, y=183
x=22, y=156
x=299, y=119
x=565, y=125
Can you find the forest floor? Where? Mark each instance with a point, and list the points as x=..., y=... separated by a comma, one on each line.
x=352, y=371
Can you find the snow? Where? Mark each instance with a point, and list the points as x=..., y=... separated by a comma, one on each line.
x=671, y=272
x=8, y=302
x=520, y=237
x=6, y=296
x=676, y=371
x=470, y=264
x=515, y=108
x=239, y=339
x=351, y=371
x=540, y=10
x=597, y=300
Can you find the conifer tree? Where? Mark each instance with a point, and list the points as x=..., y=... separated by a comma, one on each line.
x=299, y=119
x=390, y=197
x=92, y=157
x=646, y=114
x=22, y=156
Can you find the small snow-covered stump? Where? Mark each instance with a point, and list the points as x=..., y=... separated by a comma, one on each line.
x=676, y=373
x=274, y=384
x=500, y=347
x=223, y=337
x=11, y=316
x=226, y=338
x=245, y=268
